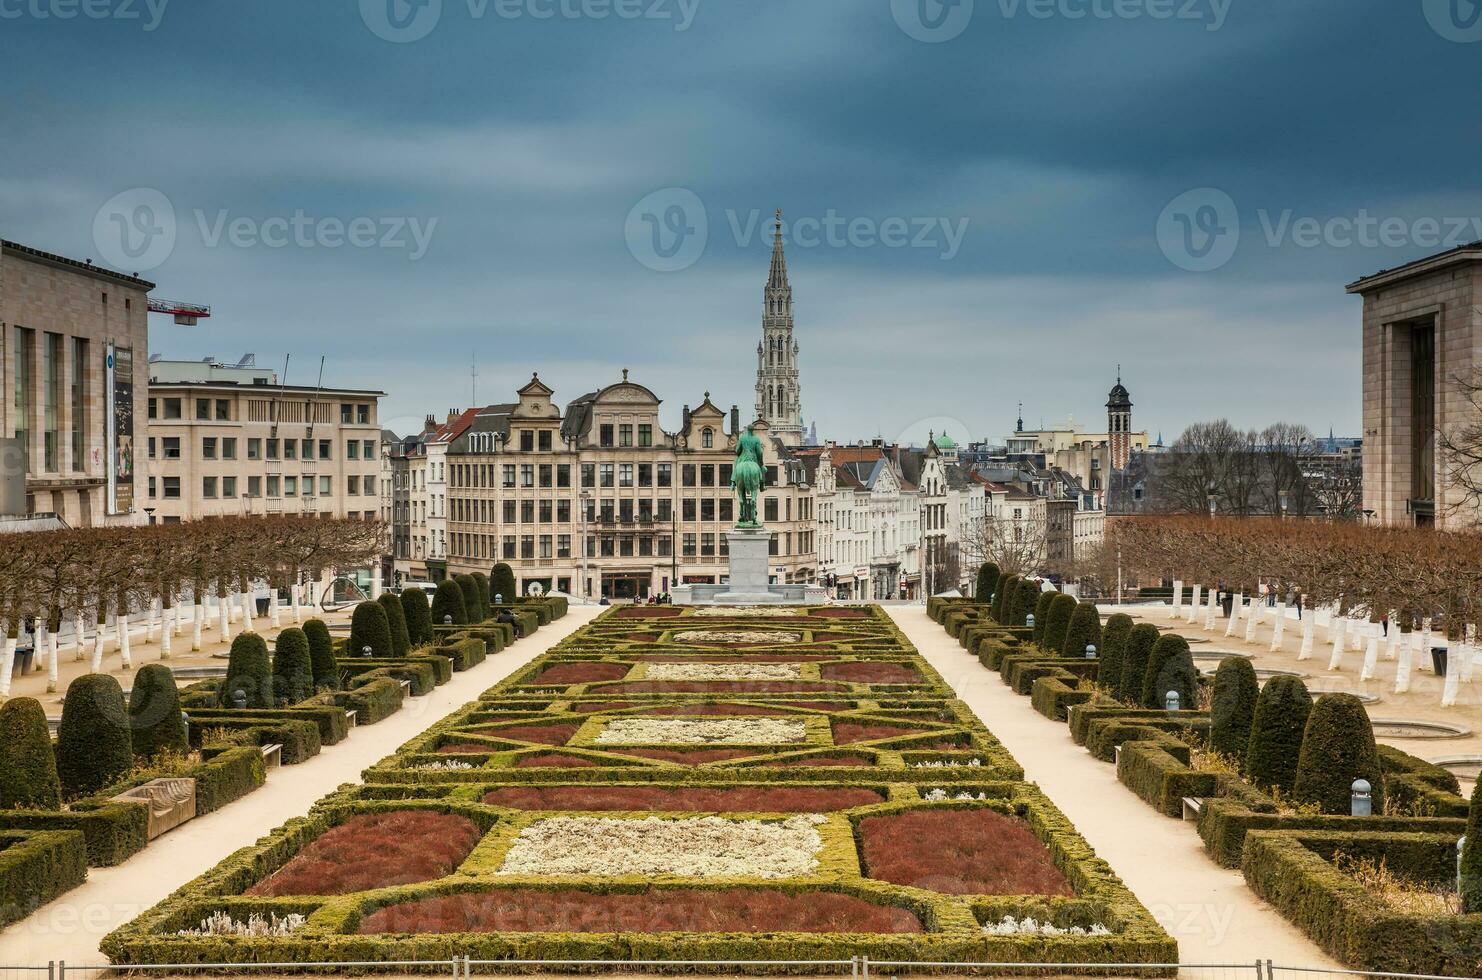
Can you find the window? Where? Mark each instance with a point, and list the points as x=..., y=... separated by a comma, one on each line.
x=79, y=401
x=666, y=509
x=347, y=412
x=769, y=509
x=689, y=546
x=308, y=485
x=545, y=545
x=368, y=485
x=527, y=546
x=707, y=509
x=589, y=474
x=24, y=352
x=203, y=409
x=604, y=435
x=362, y=414
x=172, y=408
x=527, y=474
x=254, y=486
x=151, y=488
x=208, y=487
x=308, y=449
x=272, y=449
x=725, y=508
x=625, y=546
x=545, y=440
x=290, y=449
x=223, y=410
x=625, y=435
x=687, y=509
x=290, y=486
x=272, y=486
x=171, y=446
x=645, y=436
x=228, y=448
x=625, y=474
x=563, y=475
x=688, y=474
x=707, y=438
x=527, y=512
x=545, y=513
x=546, y=478
x=228, y=486
x=606, y=474
x=563, y=546
x=153, y=413
x=645, y=474
x=51, y=385
x=367, y=449
x=527, y=440
x=666, y=475
x=707, y=545
x=324, y=449
x=646, y=546
x=508, y=545
x=707, y=474
x=563, y=512
x=326, y=486
x=352, y=486
x=254, y=449
x=509, y=476
x=208, y=447
x=151, y=447
x=666, y=546
x=172, y=488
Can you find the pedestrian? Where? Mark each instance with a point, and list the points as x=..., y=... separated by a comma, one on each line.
x=1228, y=601
x=1300, y=598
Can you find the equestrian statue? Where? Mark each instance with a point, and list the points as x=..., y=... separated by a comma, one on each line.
x=748, y=478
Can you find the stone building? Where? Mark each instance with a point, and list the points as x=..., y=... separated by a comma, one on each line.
x=1422, y=324
x=230, y=440
x=75, y=342
x=779, y=393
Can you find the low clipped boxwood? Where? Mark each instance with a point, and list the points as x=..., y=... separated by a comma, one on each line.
x=154, y=713
x=447, y=605
x=1113, y=644
x=369, y=628
x=247, y=670
x=1083, y=630
x=502, y=582
x=1276, y=731
x=418, y=616
x=1232, y=710
x=988, y=574
x=321, y=655
x=1062, y=607
x=94, y=746
x=1042, y=614
x=36, y=867
x=293, y=667
x=473, y=612
x=1337, y=749
x=28, y=766
x=401, y=639
x=1170, y=668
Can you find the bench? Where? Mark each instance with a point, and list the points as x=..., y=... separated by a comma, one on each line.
x=1193, y=806
x=171, y=802
x=406, y=689
x=1116, y=754
x=272, y=756
x=350, y=716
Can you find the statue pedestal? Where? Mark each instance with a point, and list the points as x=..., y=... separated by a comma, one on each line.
x=749, y=580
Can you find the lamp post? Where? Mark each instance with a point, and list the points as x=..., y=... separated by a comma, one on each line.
x=1282, y=500
x=586, y=582
x=1213, y=500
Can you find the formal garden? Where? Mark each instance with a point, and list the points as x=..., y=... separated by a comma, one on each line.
x=1358, y=844
x=675, y=784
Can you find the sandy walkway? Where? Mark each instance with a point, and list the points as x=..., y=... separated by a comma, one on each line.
x=71, y=927
x=1208, y=909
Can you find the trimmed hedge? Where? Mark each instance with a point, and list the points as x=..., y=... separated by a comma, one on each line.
x=1028, y=596
x=299, y=738
x=1338, y=748
x=1013, y=609
x=1276, y=731
x=988, y=574
x=1471, y=857
x=155, y=718
x=1170, y=668
x=94, y=747
x=369, y=627
x=1084, y=629
x=1062, y=607
x=1157, y=769
x=28, y=765
x=502, y=582
x=473, y=609
x=372, y=697
x=1113, y=644
x=36, y=867
x=418, y=616
x=1054, y=694
x=1137, y=651
x=1232, y=710
x=485, y=596
x=226, y=778
x=1042, y=615
x=293, y=667
x=321, y=655
x=248, y=671
x=1000, y=596
x=447, y=605
x=401, y=639
x=464, y=652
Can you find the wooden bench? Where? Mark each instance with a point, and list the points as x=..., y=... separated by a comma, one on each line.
x=406, y=688
x=272, y=756
x=1193, y=806
x=350, y=716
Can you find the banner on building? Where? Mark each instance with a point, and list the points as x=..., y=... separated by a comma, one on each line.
x=118, y=386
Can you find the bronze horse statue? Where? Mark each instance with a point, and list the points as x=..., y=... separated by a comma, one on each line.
x=748, y=478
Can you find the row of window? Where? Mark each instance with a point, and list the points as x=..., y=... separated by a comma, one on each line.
x=706, y=544
x=213, y=487
x=225, y=447
x=53, y=354
x=220, y=410
x=604, y=512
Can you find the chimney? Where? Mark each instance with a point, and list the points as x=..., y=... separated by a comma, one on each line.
x=685, y=425
x=452, y=416
x=735, y=421
x=429, y=424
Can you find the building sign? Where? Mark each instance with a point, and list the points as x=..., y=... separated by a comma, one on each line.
x=118, y=387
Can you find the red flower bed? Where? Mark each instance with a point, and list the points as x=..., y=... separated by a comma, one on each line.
x=676, y=910
x=716, y=709
x=723, y=687
x=755, y=658
x=641, y=637
x=865, y=672
x=641, y=612
x=581, y=673
x=820, y=705
x=376, y=850
x=851, y=731
x=745, y=799
x=553, y=760
x=544, y=734
x=603, y=706
x=828, y=760
x=836, y=612
x=460, y=747
x=688, y=757
x=960, y=852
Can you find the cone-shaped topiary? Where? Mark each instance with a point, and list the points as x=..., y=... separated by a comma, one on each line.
x=502, y=582
x=1083, y=630
x=447, y=604
x=1276, y=733
x=293, y=666
x=28, y=766
x=1000, y=597
x=1337, y=748
x=988, y=574
x=1010, y=607
x=1028, y=596
x=1042, y=614
x=248, y=671
x=321, y=655
x=418, y=616
x=470, y=590
x=154, y=713
x=1170, y=668
x=485, y=596
x=369, y=628
x=1233, y=708
x=1136, y=652
x=1471, y=857
x=1062, y=607
x=1113, y=644
x=94, y=749
x=401, y=639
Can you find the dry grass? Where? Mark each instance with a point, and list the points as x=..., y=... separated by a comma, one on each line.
x=827, y=760
x=376, y=851
x=960, y=852
x=681, y=910
x=1402, y=894
x=846, y=732
x=553, y=760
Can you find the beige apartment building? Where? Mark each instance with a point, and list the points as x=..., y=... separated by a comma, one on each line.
x=75, y=341
x=600, y=500
x=230, y=439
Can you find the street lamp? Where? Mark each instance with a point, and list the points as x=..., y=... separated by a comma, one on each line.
x=1213, y=500
x=1282, y=501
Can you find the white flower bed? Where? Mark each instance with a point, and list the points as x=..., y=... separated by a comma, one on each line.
x=693, y=847
x=737, y=636
x=746, y=612
x=453, y=766
x=708, y=731
x=222, y=924
x=724, y=672
x=1010, y=926
x=941, y=794
x=945, y=764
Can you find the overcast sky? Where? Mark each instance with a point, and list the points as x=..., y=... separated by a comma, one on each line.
x=987, y=203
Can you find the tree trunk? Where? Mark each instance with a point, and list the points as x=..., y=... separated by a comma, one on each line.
x=1308, y=627
x=7, y=658
x=1371, y=653
x=1336, y=660
x=226, y=617
x=1194, y=606
x=197, y=616
x=167, y=622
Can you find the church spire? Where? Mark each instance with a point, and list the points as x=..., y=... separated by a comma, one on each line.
x=778, y=393
x=777, y=279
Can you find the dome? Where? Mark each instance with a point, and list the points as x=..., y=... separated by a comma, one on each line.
x=1119, y=398
x=945, y=441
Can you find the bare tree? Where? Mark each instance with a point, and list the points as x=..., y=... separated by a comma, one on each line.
x=1461, y=450
x=1016, y=546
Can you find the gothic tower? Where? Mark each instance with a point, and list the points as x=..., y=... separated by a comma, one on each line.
x=778, y=394
x=1119, y=424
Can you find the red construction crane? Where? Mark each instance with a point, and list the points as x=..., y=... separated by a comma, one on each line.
x=185, y=314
